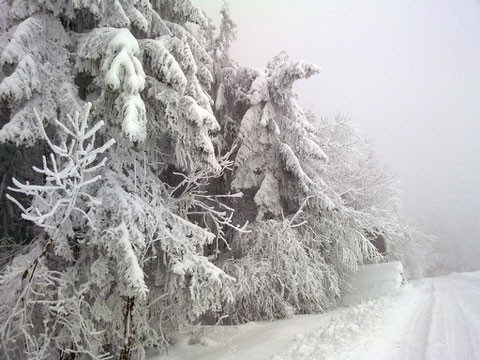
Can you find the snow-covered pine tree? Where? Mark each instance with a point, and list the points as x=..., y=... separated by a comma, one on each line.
x=41, y=39
x=36, y=72
x=286, y=160
x=136, y=271
x=43, y=311
x=279, y=152
x=278, y=167
x=33, y=56
x=224, y=87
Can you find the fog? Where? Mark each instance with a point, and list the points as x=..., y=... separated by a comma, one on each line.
x=407, y=73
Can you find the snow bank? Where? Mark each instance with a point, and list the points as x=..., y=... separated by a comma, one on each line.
x=345, y=333
x=253, y=341
x=304, y=337
x=373, y=281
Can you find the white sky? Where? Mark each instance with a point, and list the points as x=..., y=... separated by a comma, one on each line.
x=406, y=71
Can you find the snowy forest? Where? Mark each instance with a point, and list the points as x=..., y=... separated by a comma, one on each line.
x=150, y=183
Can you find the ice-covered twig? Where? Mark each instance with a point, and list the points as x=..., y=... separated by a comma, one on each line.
x=67, y=175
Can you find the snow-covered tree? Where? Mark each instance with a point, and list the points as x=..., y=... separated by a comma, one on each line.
x=124, y=78
x=224, y=85
x=415, y=250
x=286, y=159
x=42, y=310
x=34, y=59
x=280, y=272
x=143, y=228
x=369, y=205
x=279, y=155
x=135, y=271
x=121, y=253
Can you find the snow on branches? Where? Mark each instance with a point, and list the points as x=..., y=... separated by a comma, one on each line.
x=69, y=170
x=36, y=76
x=121, y=74
x=278, y=139
x=147, y=227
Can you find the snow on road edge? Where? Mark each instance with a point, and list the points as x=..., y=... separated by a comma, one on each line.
x=353, y=332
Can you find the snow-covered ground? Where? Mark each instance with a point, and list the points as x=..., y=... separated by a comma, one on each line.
x=441, y=320
x=375, y=280
x=429, y=319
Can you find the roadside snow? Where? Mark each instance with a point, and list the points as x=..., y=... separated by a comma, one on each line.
x=429, y=319
x=251, y=341
x=331, y=334
x=350, y=334
x=375, y=280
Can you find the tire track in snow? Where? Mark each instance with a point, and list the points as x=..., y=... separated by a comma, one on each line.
x=451, y=338
x=443, y=325
x=467, y=305
x=435, y=345
x=460, y=344
x=416, y=325
x=416, y=343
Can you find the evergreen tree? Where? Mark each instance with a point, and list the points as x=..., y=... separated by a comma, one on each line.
x=127, y=268
x=224, y=84
x=279, y=149
x=289, y=167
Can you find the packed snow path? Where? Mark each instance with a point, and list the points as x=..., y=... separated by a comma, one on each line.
x=443, y=324
x=429, y=319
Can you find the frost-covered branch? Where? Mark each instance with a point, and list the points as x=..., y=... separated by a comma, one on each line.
x=67, y=176
x=214, y=213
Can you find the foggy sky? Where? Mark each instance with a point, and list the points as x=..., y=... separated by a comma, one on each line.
x=407, y=72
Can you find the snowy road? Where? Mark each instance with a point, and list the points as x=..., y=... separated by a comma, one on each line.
x=429, y=319
x=442, y=322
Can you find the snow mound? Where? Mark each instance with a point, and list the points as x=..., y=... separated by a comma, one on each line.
x=373, y=281
x=343, y=334
x=348, y=334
